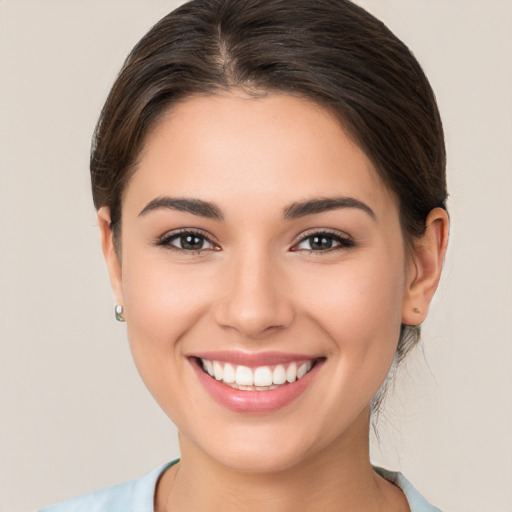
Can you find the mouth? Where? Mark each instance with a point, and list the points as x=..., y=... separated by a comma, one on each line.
x=260, y=378
x=257, y=383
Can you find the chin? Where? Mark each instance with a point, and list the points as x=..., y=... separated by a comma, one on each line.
x=257, y=448
x=258, y=459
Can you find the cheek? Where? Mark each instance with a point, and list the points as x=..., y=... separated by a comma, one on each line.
x=358, y=295
x=359, y=309
x=161, y=297
x=359, y=304
x=163, y=302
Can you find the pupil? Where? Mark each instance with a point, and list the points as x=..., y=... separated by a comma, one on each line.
x=321, y=242
x=191, y=242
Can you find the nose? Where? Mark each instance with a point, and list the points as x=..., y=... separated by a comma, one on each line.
x=255, y=300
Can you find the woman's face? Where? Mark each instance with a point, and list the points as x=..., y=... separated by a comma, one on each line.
x=257, y=238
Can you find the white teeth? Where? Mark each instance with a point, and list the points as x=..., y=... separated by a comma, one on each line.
x=291, y=373
x=302, y=370
x=243, y=376
x=217, y=370
x=208, y=366
x=229, y=374
x=253, y=388
x=279, y=374
x=263, y=376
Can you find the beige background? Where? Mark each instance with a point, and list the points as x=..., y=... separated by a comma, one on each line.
x=73, y=413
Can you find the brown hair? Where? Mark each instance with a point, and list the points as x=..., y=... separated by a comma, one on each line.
x=330, y=51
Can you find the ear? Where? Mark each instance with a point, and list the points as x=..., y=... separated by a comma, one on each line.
x=424, y=269
x=110, y=254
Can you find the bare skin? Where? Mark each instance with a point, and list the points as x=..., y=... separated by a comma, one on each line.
x=334, y=283
x=322, y=484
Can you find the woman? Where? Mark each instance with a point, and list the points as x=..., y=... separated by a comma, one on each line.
x=270, y=184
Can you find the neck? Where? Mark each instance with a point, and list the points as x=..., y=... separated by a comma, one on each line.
x=338, y=477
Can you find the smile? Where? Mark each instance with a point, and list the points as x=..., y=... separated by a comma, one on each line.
x=255, y=383
x=261, y=378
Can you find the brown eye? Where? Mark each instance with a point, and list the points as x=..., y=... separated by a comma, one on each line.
x=190, y=242
x=187, y=241
x=321, y=242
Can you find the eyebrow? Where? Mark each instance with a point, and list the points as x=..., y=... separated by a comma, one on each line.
x=293, y=211
x=301, y=209
x=194, y=206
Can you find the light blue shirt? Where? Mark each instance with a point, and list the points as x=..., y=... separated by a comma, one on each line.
x=138, y=495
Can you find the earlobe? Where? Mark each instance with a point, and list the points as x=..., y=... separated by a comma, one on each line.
x=110, y=254
x=425, y=267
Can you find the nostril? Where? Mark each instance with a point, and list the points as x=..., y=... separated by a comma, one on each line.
x=254, y=317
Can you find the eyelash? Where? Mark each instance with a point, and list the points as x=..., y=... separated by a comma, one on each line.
x=166, y=240
x=343, y=242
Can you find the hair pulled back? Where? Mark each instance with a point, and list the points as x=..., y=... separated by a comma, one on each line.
x=329, y=51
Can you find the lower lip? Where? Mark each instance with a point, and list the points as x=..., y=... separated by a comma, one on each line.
x=254, y=401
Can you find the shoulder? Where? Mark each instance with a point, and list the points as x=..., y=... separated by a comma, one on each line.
x=417, y=502
x=133, y=496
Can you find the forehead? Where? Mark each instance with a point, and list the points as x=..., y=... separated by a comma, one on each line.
x=276, y=148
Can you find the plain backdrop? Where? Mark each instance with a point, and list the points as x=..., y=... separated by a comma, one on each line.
x=74, y=414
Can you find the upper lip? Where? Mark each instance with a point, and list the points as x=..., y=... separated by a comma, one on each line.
x=252, y=359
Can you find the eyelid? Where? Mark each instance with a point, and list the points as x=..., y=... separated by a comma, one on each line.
x=165, y=239
x=345, y=240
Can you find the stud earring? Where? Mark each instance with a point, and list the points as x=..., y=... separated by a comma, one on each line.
x=118, y=310
x=417, y=310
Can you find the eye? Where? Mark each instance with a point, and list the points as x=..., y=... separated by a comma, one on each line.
x=323, y=242
x=187, y=240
